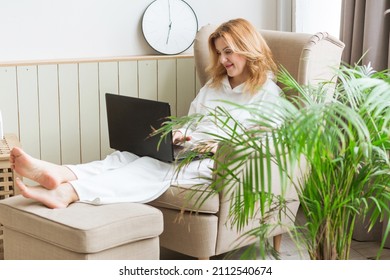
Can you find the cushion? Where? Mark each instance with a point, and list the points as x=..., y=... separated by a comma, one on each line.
x=188, y=198
x=82, y=228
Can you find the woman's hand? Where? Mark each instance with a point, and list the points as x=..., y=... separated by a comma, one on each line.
x=178, y=138
x=207, y=147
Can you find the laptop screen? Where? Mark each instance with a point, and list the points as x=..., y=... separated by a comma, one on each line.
x=131, y=121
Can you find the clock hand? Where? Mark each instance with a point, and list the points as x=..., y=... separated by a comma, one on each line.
x=169, y=31
x=170, y=21
x=169, y=11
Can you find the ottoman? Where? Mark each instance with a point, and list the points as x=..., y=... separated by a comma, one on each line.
x=79, y=232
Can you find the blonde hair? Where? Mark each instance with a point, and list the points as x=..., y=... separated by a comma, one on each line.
x=243, y=39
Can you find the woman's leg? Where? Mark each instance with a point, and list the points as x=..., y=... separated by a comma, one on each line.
x=59, y=197
x=55, y=191
x=140, y=181
x=47, y=174
x=111, y=162
x=50, y=175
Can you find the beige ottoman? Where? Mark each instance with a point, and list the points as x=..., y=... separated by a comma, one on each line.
x=81, y=231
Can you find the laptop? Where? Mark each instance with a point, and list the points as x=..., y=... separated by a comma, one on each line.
x=131, y=121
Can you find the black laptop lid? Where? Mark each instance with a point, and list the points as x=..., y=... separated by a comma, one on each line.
x=130, y=123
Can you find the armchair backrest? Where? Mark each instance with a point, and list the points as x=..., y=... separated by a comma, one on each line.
x=308, y=58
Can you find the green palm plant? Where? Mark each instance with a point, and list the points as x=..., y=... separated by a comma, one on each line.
x=340, y=132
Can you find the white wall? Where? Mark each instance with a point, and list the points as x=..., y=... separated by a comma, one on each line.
x=61, y=29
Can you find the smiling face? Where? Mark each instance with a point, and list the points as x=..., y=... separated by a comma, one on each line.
x=234, y=63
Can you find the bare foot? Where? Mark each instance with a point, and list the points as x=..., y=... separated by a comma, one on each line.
x=60, y=197
x=47, y=174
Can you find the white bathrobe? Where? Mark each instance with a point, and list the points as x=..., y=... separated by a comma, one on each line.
x=125, y=177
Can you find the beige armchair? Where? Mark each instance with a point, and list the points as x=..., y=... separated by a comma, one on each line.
x=310, y=59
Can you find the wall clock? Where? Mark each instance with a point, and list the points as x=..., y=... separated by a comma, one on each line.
x=169, y=26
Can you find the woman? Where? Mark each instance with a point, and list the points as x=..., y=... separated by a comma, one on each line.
x=241, y=72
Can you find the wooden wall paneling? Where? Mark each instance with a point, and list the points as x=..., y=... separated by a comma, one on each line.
x=147, y=79
x=69, y=113
x=128, y=78
x=185, y=85
x=28, y=109
x=108, y=83
x=9, y=100
x=166, y=82
x=89, y=111
x=49, y=115
x=58, y=108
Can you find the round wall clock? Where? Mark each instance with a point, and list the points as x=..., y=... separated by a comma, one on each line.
x=169, y=26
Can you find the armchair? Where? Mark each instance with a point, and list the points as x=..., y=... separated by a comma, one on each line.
x=309, y=59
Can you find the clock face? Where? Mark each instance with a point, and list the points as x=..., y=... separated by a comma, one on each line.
x=169, y=26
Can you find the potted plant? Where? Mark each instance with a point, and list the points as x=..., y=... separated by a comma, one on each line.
x=340, y=132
